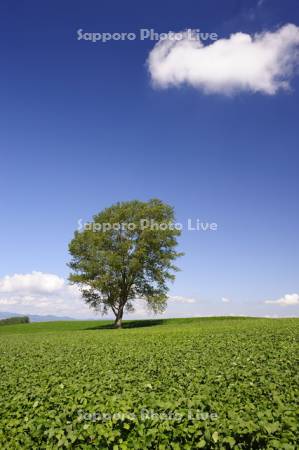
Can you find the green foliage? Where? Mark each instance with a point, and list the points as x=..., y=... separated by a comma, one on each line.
x=126, y=252
x=14, y=320
x=56, y=377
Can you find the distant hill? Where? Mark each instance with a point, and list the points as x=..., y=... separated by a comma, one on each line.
x=35, y=317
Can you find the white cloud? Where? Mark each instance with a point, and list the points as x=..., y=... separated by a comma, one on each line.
x=181, y=299
x=41, y=293
x=287, y=300
x=225, y=300
x=262, y=63
x=35, y=281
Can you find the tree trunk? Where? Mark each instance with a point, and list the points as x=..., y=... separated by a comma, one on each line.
x=119, y=319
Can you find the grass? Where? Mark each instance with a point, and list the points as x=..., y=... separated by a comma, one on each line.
x=164, y=384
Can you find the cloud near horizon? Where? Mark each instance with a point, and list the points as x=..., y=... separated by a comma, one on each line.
x=45, y=293
x=181, y=299
x=264, y=62
x=49, y=294
x=287, y=300
x=41, y=293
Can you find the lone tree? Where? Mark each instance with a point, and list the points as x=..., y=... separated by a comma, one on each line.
x=126, y=253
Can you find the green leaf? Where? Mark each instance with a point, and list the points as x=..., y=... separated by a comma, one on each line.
x=215, y=436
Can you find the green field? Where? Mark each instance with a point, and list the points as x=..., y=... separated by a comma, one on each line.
x=214, y=383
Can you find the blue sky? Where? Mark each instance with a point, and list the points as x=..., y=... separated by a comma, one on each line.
x=85, y=124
